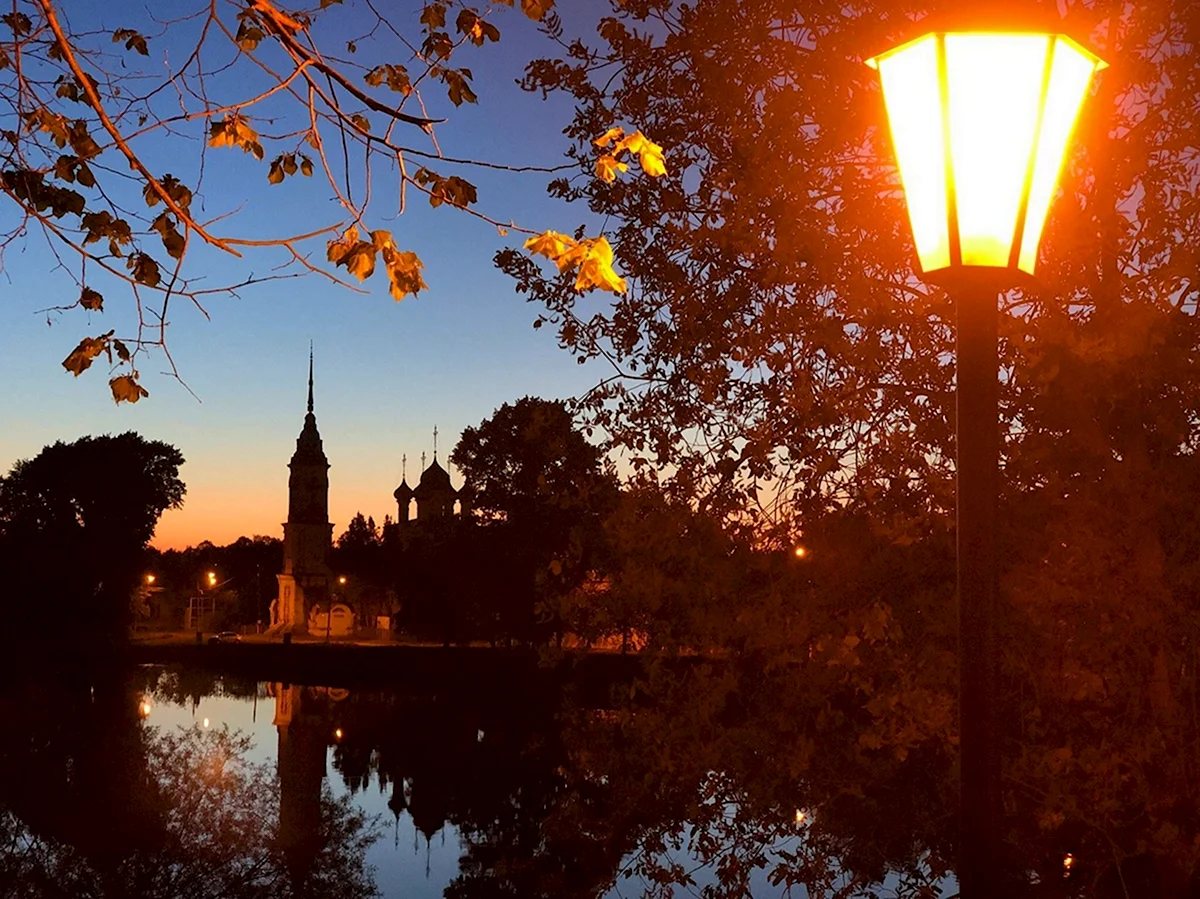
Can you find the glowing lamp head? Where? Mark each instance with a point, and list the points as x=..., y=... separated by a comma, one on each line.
x=980, y=123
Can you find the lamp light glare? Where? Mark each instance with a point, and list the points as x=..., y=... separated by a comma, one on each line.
x=980, y=124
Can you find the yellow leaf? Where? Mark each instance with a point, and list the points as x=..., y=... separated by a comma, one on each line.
x=126, y=389
x=649, y=154
x=595, y=270
x=552, y=245
x=404, y=271
x=609, y=136
x=337, y=249
x=358, y=256
x=607, y=166
x=360, y=261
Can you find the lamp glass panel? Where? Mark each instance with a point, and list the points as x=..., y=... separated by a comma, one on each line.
x=995, y=91
x=1070, y=74
x=910, y=92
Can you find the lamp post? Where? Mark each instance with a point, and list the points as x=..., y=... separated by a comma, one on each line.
x=980, y=121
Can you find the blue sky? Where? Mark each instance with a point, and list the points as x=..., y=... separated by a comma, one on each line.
x=386, y=372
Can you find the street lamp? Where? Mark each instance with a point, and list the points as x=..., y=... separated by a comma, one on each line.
x=980, y=121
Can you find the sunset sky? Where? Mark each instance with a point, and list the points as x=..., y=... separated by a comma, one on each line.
x=386, y=372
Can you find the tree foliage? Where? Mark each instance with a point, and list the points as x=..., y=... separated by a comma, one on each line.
x=120, y=148
x=74, y=523
x=542, y=491
x=775, y=352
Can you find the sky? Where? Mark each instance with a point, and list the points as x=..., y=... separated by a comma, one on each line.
x=386, y=373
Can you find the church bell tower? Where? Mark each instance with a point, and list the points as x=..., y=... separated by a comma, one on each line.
x=307, y=533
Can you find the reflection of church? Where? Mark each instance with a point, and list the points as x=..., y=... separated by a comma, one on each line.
x=309, y=600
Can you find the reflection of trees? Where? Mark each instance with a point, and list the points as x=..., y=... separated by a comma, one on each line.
x=833, y=772
x=94, y=803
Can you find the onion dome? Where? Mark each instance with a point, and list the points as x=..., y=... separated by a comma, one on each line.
x=434, y=480
x=403, y=493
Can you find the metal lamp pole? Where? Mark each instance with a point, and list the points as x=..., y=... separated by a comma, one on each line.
x=980, y=807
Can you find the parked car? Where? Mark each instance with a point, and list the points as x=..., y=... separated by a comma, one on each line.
x=224, y=637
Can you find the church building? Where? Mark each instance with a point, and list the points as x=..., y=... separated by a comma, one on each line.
x=434, y=496
x=306, y=580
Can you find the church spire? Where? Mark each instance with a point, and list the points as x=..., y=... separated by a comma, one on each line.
x=310, y=373
x=435, y=433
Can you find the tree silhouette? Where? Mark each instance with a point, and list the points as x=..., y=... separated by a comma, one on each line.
x=540, y=491
x=74, y=523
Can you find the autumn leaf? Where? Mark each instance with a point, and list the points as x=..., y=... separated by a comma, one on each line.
x=145, y=269
x=471, y=24
x=355, y=255
x=80, y=358
x=612, y=134
x=595, y=269
x=591, y=259
x=536, y=9
x=91, y=300
x=404, y=271
x=172, y=240
x=306, y=167
x=394, y=76
x=552, y=245
x=457, y=87
x=649, y=154
x=234, y=132
x=133, y=40
x=607, y=167
x=126, y=389
x=275, y=175
x=433, y=16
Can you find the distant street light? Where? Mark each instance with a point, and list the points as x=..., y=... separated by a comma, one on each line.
x=980, y=120
x=342, y=580
x=150, y=579
x=800, y=552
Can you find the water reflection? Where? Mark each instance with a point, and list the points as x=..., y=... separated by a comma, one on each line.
x=97, y=801
x=703, y=779
x=534, y=792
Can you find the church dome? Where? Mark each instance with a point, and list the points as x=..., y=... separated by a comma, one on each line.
x=403, y=492
x=434, y=479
